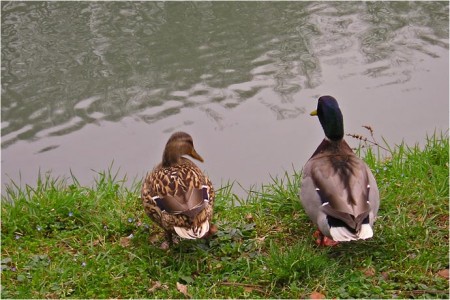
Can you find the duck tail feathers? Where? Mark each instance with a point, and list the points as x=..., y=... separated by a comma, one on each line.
x=342, y=234
x=193, y=232
x=366, y=232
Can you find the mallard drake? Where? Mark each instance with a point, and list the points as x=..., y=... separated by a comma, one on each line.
x=338, y=191
x=176, y=194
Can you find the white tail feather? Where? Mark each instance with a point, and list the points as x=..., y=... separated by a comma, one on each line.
x=192, y=233
x=366, y=232
x=342, y=234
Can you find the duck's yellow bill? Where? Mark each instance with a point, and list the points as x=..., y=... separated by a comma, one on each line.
x=313, y=113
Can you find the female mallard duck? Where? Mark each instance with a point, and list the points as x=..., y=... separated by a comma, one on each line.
x=338, y=190
x=176, y=195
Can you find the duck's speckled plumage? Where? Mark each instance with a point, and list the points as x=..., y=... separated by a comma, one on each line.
x=176, y=194
x=338, y=191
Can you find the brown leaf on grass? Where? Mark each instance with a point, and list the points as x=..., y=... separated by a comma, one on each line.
x=369, y=272
x=100, y=241
x=443, y=273
x=156, y=285
x=125, y=241
x=164, y=246
x=317, y=295
x=183, y=289
x=249, y=217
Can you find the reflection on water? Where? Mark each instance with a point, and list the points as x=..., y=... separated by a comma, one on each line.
x=66, y=65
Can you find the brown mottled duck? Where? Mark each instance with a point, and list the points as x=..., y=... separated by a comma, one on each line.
x=176, y=194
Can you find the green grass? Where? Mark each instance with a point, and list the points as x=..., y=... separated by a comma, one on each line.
x=61, y=239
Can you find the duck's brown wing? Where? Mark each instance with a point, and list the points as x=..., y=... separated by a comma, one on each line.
x=177, y=190
x=189, y=203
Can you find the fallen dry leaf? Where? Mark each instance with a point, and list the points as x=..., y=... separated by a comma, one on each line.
x=183, y=289
x=164, y=245
x=125, y=241
x=249, y=217
x=385, y=275
x=156, y=285
x=100, y=242
x=369, y=272
x=316, y=295
x=443, y=273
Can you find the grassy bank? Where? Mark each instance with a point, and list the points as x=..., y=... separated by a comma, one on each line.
x=60, y=239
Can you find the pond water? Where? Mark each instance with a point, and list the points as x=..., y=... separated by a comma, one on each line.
x=87, y=85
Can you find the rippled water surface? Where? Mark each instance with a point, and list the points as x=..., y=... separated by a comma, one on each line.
x=85, y=84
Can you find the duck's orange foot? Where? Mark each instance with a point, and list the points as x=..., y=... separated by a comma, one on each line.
x=212, y=230
x=324, y=241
